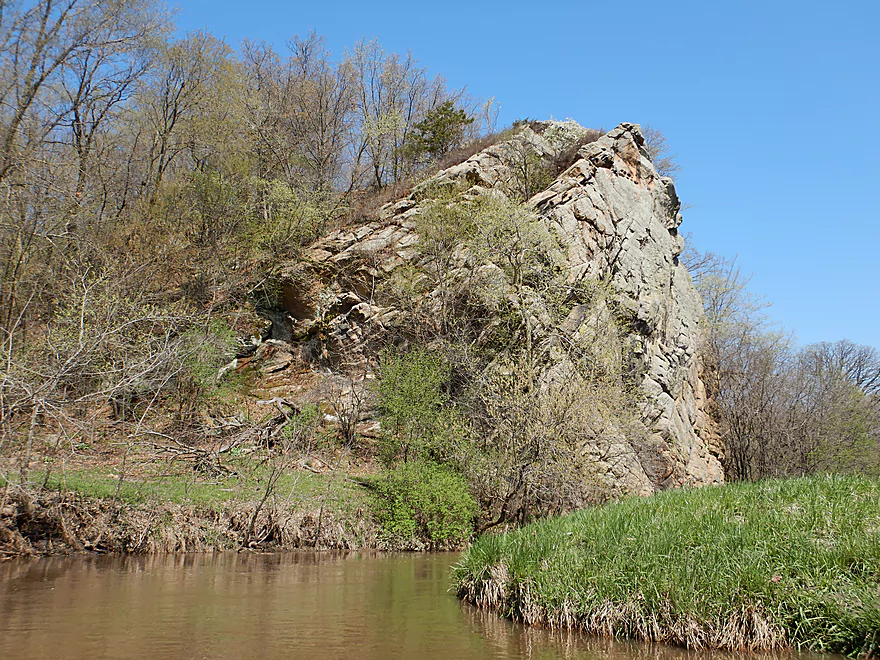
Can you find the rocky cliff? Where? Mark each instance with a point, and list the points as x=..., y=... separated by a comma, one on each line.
x=620, y=220
x=614, y=221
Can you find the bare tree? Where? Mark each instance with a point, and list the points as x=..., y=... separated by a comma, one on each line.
x=658, y=149
x=181, y=94
x=392, y=95
x=43, y=42
x=783, y=410
x=300, y=113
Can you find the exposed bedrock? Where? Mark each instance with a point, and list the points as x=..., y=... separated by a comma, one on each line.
x=616, y=220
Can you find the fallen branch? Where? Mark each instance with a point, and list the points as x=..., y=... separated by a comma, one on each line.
x=207, y=462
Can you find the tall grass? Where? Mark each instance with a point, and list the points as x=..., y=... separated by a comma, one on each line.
x=746, y=566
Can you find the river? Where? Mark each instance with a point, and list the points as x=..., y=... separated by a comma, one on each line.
x=295, y=605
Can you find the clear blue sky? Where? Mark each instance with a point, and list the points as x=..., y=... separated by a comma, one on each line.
x=771, y=108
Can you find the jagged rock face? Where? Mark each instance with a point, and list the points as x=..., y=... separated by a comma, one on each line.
x=617, y=221
x=620, y=221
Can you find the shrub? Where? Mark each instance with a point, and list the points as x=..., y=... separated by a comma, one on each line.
x=205, y=350
x=531, y=169
x=427, y=502
x=538, y=438
x=416, y=416
x=209, y=207
x=283, y=218
x=443, y=225
x=530, y=173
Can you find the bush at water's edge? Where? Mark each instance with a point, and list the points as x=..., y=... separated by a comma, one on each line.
x=746, y=566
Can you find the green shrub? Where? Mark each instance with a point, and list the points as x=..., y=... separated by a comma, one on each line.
x=414, y=405
x=426, y=502
x=206, y=350
x=283, y=218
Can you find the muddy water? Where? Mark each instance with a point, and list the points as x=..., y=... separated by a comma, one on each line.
x=267, y=606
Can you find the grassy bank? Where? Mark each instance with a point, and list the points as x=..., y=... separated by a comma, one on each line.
x=181, y=486
x=745, y=566
x=174, y=510
x=250, y=504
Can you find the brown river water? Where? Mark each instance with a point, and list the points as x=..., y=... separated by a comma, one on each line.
x=296, y=605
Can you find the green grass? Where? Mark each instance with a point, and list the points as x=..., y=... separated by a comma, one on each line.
x=300, y=489
x=768, y=565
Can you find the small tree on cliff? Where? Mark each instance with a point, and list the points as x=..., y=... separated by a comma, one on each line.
x=440, y=131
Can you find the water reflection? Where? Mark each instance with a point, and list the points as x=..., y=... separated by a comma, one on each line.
x=516, y=641
x=298, y=605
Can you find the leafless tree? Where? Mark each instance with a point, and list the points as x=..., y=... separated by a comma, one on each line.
x=392, y=94
x=784, y=410
x=658, y=149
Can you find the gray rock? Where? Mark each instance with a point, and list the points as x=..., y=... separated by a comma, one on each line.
x=617, y=222
x=628, y=204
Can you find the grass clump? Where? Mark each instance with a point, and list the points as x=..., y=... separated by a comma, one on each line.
x=746, y=566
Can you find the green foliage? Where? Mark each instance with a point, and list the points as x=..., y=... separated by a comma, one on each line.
x=442, y=129
x=531, y=438
x=494, y=230
x=843, y=430
x=283, y=218
x=106, y=343
x=404, y=284
x=271, y=218
x=210, y=348
x=741, y=566
x=444, y=224
x=426, y=502
x=212, y=206
x=513, y=238
x=478, y=251
x=207, y=349
x=416, y=416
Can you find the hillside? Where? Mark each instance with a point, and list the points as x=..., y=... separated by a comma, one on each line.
x=519, y=320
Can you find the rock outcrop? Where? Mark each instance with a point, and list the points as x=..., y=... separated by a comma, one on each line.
x=616, y=221
x=620, y=220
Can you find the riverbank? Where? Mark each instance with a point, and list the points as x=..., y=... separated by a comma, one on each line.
x=49, y=523
x=157, y=508
x=140, y=503
x=787, y=563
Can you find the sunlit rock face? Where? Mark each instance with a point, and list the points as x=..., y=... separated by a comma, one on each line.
x=620, y=221
x=616, y=221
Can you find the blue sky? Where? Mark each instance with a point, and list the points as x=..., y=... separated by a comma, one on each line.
x=771, y=108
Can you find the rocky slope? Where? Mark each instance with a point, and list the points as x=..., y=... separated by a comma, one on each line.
x=616, y=223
